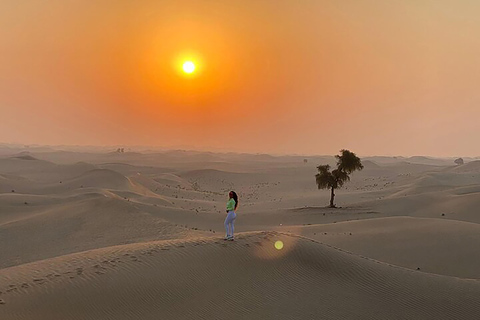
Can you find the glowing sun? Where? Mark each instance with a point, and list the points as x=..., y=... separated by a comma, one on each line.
x=188, y=67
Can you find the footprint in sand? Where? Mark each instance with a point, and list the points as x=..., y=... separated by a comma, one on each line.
x=12, y=287
x=97, y=266
x=2, y=301
x=25, y=285
x=39, y=280
x=135, y=259
x=51, y=276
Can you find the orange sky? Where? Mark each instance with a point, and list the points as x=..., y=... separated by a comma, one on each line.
x=378, y=77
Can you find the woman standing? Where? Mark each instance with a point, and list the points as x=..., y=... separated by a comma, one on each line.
x=230, y=220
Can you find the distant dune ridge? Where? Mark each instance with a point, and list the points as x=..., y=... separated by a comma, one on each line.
x=109, y=235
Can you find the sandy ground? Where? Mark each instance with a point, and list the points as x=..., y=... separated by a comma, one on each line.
x=107, y=235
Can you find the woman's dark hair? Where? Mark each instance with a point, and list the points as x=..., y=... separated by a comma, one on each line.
x=235, y=197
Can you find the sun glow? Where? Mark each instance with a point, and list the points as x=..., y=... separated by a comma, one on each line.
x=188, y=67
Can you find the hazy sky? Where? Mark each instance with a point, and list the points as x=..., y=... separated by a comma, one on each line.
x=377, y=77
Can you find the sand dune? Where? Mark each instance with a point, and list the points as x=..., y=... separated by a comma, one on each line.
x=205, y=279
x=452, y=203
x=137, y=236
x=90, y=222
x=42, y=170
x=101, y=178
x=439, y=246
x=470, y=167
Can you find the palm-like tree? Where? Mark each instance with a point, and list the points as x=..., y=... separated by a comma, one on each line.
x=347, y=163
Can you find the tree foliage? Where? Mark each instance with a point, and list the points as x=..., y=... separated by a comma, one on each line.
x=347, y=162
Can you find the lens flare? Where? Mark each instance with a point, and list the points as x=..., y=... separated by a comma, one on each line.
x=278, y=245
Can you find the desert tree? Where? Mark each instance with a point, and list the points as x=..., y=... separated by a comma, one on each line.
x=347, y=162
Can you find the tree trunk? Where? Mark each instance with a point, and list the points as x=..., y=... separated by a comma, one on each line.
x=332, y=196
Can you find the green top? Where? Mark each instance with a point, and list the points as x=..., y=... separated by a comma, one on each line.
x=231, y=204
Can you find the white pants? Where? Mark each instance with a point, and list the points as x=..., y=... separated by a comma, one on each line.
x=229, y=223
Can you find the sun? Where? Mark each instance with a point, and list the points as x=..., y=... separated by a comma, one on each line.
x=188, y=67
